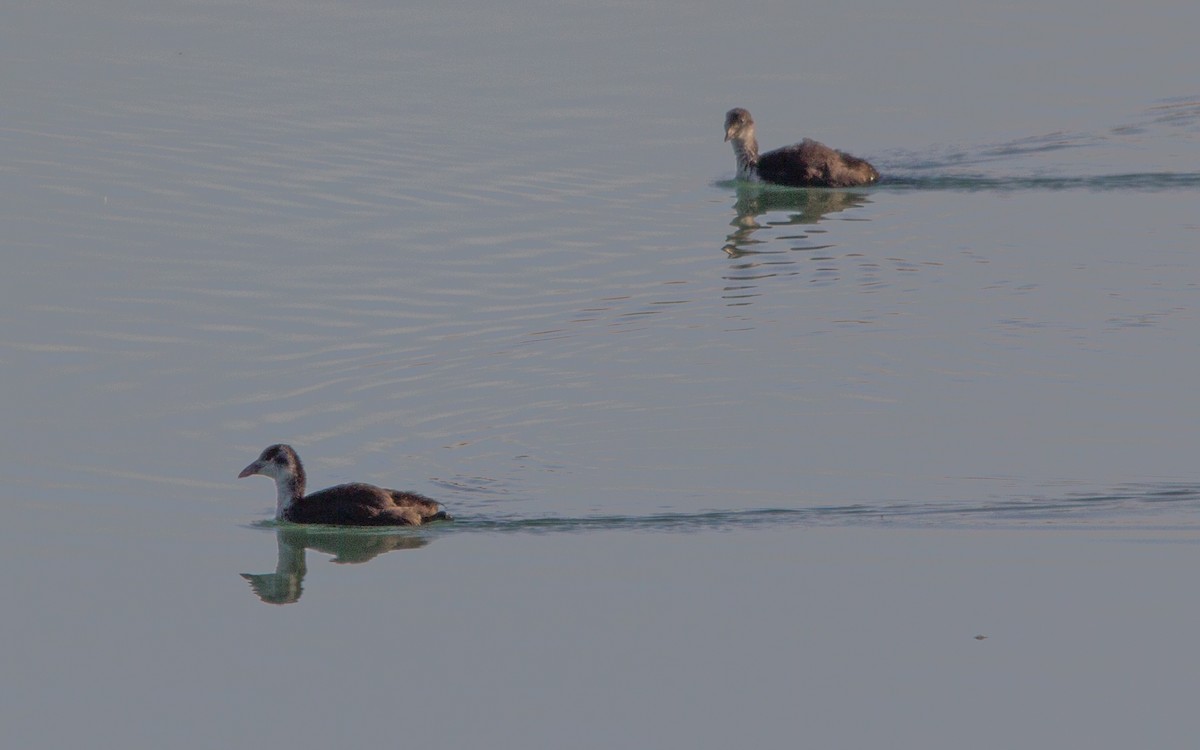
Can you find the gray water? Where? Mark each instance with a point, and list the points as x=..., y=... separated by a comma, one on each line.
x=731, y=466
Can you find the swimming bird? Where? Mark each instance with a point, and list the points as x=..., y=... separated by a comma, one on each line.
x=354, y=504
x=804, y=164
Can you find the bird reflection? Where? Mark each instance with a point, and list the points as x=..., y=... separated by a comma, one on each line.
x=802, y=206
x=285, y=585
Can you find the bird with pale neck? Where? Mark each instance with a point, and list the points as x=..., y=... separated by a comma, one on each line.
x=355, y=504
x=804, y=164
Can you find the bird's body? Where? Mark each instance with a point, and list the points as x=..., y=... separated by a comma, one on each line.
x=363, y=505
x=355, y=504
x=804, y=164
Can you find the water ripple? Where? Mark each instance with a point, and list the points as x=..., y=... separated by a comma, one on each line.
x=1121, y=504
x=1141, y=181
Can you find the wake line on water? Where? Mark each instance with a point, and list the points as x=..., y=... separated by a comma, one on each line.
x=1138, y=181
x=1125, y=502
x=961, y=168
x=898, y=181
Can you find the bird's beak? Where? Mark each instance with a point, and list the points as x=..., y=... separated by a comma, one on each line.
x=727, y=135
x=250, y=470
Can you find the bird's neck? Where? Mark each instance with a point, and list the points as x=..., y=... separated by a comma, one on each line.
x=288, y=490
x=745, y=148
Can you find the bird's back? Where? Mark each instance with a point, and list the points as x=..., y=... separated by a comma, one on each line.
x=813, y=164
x=365, y=505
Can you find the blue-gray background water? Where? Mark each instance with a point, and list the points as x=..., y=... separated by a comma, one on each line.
x=731, y=466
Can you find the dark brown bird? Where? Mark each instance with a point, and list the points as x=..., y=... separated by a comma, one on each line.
x=804, y=164
x=354, y=504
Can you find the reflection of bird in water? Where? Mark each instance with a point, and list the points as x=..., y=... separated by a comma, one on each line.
x=285, y=585
x=802, y=207
x=804, y=164
x=346, y=504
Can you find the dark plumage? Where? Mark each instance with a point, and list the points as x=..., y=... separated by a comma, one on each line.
x=805, y=164
x=354, y=504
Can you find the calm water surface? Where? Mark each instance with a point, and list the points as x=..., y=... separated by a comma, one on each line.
x=733, y=466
